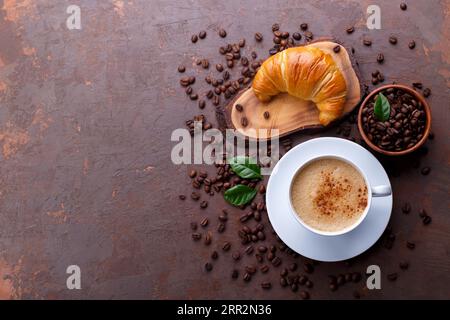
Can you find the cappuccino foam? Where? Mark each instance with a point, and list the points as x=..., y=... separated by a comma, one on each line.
x=329, y=194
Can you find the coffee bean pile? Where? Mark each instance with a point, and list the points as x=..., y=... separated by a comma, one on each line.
x=199, y=118
x=283, y=40
x=405, y=126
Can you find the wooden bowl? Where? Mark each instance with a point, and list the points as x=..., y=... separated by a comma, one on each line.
x=418, y=97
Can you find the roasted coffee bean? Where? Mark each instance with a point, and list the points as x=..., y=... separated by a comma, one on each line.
x=412, y=44
x=393, y=40
x=181, y=68
x=266, y=285
x=194, y=38
x=182, y=197
x=392, y=276
x=262, y=249
x=356, y=277
x=219, y=67
x=244, y=61
x=226, y=246
x=244, y=122
x=230, y=64
x=294, y=287
x=403, y=265
x=367, y=42
x=297, y=36
x=216, y=100
x=241, y=43
x=189, y=90
x=304, y=26
x=208, y=239
x=193, y=96
x=425, y=171
x=403, y=6
x=304, y=295
x=195, y=196
x=380, y=58
x=426, y=92
x=247, y=277
x=406, y=208
x=193, y=226
x=250, y=269
x=259, y=257
x=410, y=245
x=239, y=107
x=258, y=36
x=208, y=266
x=308, y=267
x=249, y=250
x=417, y=85
x=184, y=81
x=264, y=268
x=204, y=222
x=276, y=261
x=272, y=249
x=333, y=287
x=285, y=35
x=236, y=255
x=337, y=48
x=202, y=34
x=261, y=236
x=203, y=204
x=201, y=104
x=293, y=267
x=266, y=115
x=220, y=227
x=222, y=33
x=426, y=220
x=350, y=30
x=196, y=236
x=283, y=282
x=309, y=35
x=254, y=55
x=309, y=284
x=214, y=255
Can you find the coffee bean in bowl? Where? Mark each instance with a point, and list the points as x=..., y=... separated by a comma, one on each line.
x=394, y=120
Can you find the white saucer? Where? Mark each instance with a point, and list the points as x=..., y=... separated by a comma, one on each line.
x=307, y=243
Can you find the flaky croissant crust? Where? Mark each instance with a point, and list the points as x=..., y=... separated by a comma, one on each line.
x=307, y=73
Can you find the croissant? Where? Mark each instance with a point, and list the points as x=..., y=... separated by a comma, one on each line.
x=307, y=73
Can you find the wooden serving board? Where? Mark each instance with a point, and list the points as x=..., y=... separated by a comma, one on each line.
x=289, y=114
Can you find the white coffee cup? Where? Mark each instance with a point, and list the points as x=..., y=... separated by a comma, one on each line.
x=372, y=191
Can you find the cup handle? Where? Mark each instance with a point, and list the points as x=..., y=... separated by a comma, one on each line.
x=381, y=191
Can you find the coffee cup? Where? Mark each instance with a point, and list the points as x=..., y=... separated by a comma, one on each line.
x=370, y=192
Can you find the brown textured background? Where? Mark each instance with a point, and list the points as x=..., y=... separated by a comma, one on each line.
x=85, y=123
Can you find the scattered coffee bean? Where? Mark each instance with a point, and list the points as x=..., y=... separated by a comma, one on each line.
x=294, y=287
x=410, y=245
x=203, y=204
x=380, y=58
x=403, y=265
x=308, y=267
x=426, y=220
x=236, y=255
x=337, y=48
x=266, y=115
x=234, y=274
x=221, y=227
x=304, y=26
x=393, y=40
x=356, y=277
x=193, y=226
x=264, y=268
x=367, y=42
x=226, y=246
x=309, y=284
x=293, y=267
x=350, y=30
x=181, y=68
x=222, y=33
x=426, y=92
x=258, y=36
x=425, y=171
x=219, y=67
x=333, y=287
x=309, y=35
x=247, y=277
x=196, y=236
x=241, y=43
x=244, y=122
x=208, y=238
x=297, y=36
x=194, y=38
x=304, y=295
x=208, y=266
x=201, y=104
x=266, y=285
x=214, y=255
x=182, y=197
x=204, y=222
x=202, y=34
x=412, y=44
x=392, y=276
x=403, y=6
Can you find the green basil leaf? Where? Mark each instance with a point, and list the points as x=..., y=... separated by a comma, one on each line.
x=245, y=168
x=239, y=195
x=382, y=108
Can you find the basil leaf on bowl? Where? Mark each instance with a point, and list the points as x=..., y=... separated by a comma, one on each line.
x=382, y=108
x=245, y=168
x=239, y=195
